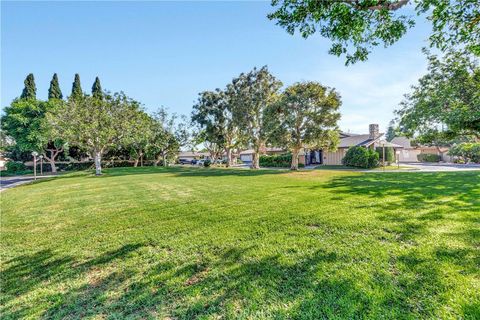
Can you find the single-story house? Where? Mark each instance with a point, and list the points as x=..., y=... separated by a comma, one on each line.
x=193, y=155
x=409, y=153
x=347, y=140
x=247, y=155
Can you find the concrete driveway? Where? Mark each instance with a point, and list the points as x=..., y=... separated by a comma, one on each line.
x=440, y=167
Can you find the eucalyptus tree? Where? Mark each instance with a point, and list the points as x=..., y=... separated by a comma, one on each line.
x=217, y=129
x=250, y=95
x=355, y=27
x=169, y=134
x=141, y=136
x=305, y=116
x=96, y=125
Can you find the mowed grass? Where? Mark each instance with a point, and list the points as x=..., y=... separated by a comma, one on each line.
x=197, y=243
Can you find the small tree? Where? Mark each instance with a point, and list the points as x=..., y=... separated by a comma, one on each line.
x=250, y=95
x=30, y=89
x=305, y=116
x=141, y=137
x=54, y=91
x=95, y=124
x=77, y=91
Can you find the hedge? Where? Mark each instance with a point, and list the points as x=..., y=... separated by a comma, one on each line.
x=278, y=161
x=361, y=157
x=428, y=157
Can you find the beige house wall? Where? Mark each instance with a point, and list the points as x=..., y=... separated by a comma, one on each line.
x=334, y=158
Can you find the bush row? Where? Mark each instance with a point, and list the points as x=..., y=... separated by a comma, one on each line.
x=428, y=157
x=389, y=154
x=278, y=161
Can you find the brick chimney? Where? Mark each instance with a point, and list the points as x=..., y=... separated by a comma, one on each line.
x=373, y=131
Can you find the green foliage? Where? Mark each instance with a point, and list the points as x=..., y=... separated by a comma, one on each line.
x=95, y=124
x=305, y=116
x=77, y=91
x=392, y=131
x=250, y=95
x=54, y=91
x=356, y=27
x=466, y=151
x=30, y=89
x=389, y=154
x=15, y=167
x=207, y=163
x=24, y=121
x=361, y=157
x=97, y=89
x=448, y=96
x=281, y=160
x=428, y=157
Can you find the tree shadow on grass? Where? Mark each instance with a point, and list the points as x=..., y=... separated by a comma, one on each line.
x=233, y=284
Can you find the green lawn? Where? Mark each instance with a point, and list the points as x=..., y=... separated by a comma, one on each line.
x=219, y=243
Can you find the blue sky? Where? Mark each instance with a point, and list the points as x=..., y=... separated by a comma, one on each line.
x=165, y=53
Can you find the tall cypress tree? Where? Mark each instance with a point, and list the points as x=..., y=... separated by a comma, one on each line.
x=97, y=89
x=54, y=91
x=30, y=90
x=76, y=87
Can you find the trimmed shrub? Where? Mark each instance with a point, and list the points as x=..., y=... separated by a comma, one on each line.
x=428, y=157
x=207, y=163
x=277, y=161
x=15, y=166
x=361, y=157
x=389, y=154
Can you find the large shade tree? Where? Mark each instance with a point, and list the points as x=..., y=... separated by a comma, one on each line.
x=355, y=27
x=305, y=116
x=250, y=94
x=218, y=131
x=24, y=120
x=95, y=125
x=445, y=103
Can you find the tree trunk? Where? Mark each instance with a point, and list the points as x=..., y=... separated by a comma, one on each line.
x=135, y=164
x=294, y=165
x=255, y=160
x=52, y=165
x=164, y=156
x=98, y=163
x=157, y=161
x=229, y=157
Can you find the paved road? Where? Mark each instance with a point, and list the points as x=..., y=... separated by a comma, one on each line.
x=10, y=182
x=440, y=167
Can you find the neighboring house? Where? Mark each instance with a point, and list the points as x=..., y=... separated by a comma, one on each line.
x=247, y=155
x=193, y=155
x=347, y=140
x=409, y=153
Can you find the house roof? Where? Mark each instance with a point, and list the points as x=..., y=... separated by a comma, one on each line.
x=390, y=144
x=359, y=140
x=403, y=141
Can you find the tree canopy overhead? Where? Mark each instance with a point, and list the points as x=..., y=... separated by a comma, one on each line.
x=355, y=27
